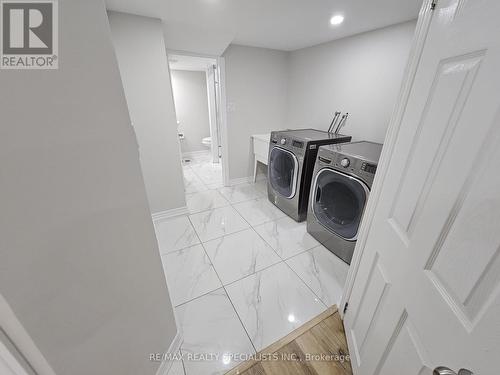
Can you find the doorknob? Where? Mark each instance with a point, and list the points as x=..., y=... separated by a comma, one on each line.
x=441, y=370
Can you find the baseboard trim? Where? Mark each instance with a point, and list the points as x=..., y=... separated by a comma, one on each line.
x=175, y=346
x=163, y=215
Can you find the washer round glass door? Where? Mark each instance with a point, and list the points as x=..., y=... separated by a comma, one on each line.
x=338, y=202
x=283, y=167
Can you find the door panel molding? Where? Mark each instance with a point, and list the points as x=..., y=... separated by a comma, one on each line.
x=408, y=356
x=469, y=291
x=455, y=74
x=369, y=310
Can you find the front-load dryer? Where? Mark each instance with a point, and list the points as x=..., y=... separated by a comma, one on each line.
x=342, y=179
x=292, y=154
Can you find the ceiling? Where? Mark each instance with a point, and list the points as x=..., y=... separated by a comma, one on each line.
x=208, y=26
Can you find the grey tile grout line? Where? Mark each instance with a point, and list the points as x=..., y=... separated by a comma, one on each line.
x=256, y=272
x=258, y=234
x=243, y=277
x=227, y=200
x=227, y=294
x=283, y=260
x=201, y=295
x=307, y=285
x=203, y=182
x=208, y=209
x=164, y=253
x=227, y=234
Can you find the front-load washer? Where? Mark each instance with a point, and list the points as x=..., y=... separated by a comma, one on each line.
x=342, y=179
x=292, y=154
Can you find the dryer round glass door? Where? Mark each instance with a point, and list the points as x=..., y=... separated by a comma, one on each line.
x=283, y=168
x=338, y=202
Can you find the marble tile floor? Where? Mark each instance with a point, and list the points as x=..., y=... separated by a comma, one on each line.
x=240, y=273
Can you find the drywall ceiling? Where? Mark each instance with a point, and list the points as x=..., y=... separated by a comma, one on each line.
x=208, y=26
x=193, y=63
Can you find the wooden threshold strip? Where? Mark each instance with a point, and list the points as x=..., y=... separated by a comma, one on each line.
x=306, y=335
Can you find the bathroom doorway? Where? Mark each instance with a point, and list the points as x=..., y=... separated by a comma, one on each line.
x=197, y=97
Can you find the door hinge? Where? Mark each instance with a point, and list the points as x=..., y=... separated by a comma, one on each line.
x=345, y=307
x=433, y=4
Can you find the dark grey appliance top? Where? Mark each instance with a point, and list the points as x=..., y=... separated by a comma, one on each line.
x=364, y=150
x=310, y=134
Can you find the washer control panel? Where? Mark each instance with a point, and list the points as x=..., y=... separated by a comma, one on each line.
x=369, y=168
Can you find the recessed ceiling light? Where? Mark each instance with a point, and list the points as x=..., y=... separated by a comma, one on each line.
x=337, y=20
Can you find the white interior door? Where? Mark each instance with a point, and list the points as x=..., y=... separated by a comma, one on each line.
x=426, y=293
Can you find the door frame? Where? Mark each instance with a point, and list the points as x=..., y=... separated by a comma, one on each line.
x=212, y=95
x=222, y=118
x=418, y=43
x=17, y=349
x=221, y=65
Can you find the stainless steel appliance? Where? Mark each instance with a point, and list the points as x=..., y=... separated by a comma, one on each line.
x=292, y=154
x=342, y=179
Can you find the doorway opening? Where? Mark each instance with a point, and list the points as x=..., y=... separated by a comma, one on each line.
x=197, y=91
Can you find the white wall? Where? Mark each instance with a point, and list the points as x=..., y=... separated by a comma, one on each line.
x=79, y=263
x=359, y=74
x=142, y=59
x=270, y=90
x=191, y=106
x=256, y=96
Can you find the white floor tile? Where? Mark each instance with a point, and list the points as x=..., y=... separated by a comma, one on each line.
x=272, y=303
x=209, y=324
x=209, y=173
x=262, y=185
x=241, y=192
x=272, y=297
x=204, y=201
x=189, y=175
x=287, y=237
x=259, y=211
x=189, y=274
x=215, y=185
x=175, y=234
x=240, y=254
x=196, y=188
x=217, y=223
x=192, y=183
x=323, y=272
